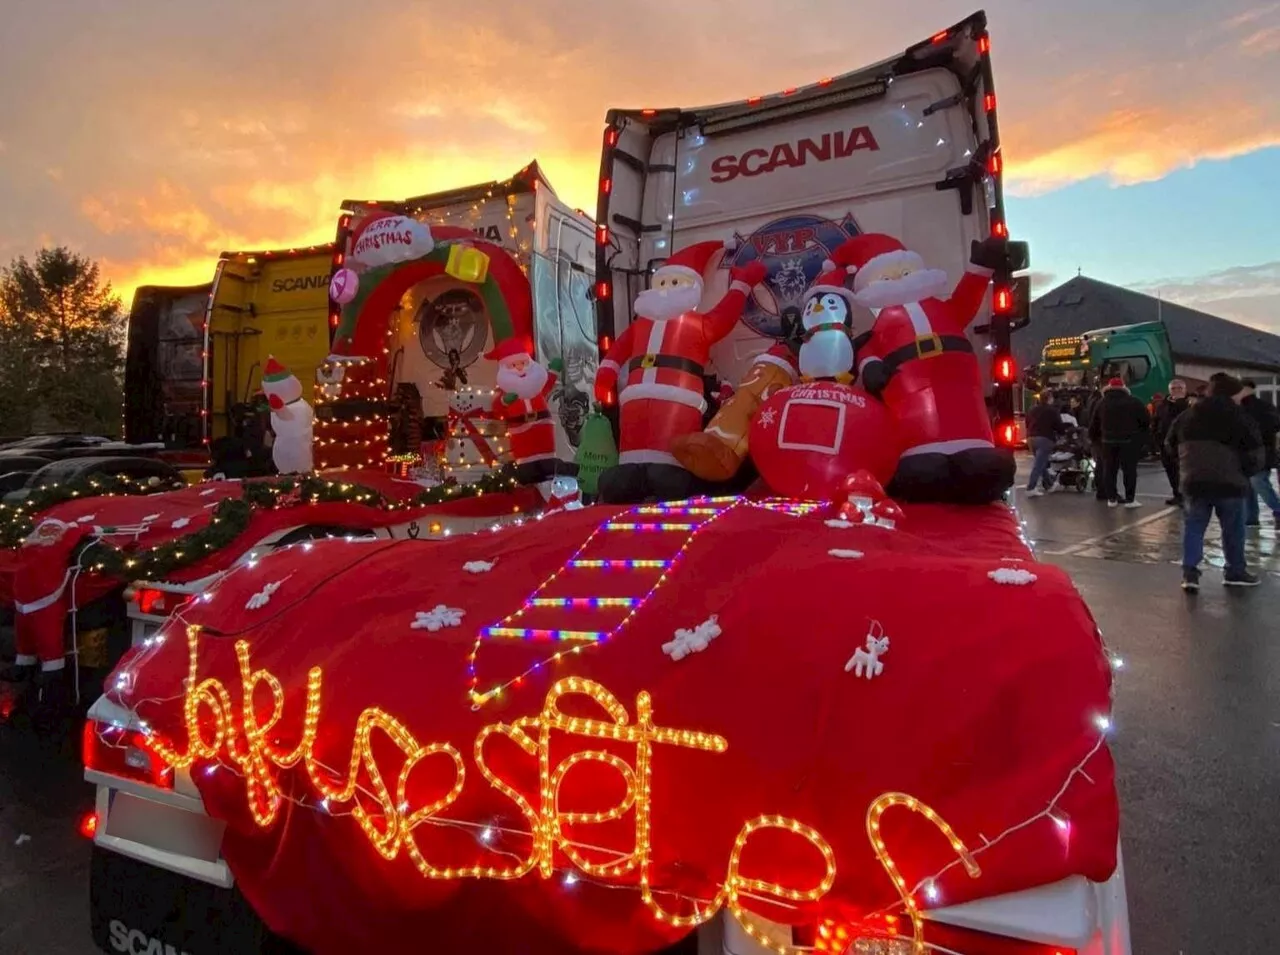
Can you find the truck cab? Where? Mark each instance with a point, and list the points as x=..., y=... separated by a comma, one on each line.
x=1139, y=355
x=909, y=147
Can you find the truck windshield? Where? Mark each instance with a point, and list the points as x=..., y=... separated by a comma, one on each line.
x=1131, y=370
x=1065, y=378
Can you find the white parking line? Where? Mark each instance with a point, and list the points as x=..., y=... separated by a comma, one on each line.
x=1076, y=548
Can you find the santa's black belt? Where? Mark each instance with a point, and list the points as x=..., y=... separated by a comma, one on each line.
x=670, y=362
x=926, y=346
x=528, y=419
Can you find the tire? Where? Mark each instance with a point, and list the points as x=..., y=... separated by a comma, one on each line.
x=70, y=469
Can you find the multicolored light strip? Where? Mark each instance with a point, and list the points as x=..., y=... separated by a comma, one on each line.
x=619, y=564
x=588, y=638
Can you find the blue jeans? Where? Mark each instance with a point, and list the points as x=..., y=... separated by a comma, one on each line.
x=1230, y=516
x=1262, y=488
x=1042, y=448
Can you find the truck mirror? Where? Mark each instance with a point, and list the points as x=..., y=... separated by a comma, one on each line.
x=1019, y=256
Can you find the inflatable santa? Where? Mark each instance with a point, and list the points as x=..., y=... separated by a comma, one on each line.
x=657, y=367
x=921, y=362
x=523, y=387
x=825, y=351
x=291, y=419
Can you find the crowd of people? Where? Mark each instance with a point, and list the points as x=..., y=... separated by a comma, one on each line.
x=1218, y=448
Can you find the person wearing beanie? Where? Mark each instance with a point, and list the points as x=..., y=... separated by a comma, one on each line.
x=1265, y=417
x=1218, y=448
x=1168, y=412
x=1118, y=428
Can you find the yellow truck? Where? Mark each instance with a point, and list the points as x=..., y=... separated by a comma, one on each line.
x=195, y=353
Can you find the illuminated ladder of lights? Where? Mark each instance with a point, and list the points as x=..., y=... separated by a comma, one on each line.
x=677, y=534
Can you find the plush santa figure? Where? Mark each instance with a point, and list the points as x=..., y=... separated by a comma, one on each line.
x=291, y=419
x=523, y=386
x=656, y=367
x=921, y=362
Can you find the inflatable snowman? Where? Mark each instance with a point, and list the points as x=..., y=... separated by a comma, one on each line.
x=291, y=419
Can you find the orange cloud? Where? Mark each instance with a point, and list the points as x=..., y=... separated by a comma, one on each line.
x=185, y=134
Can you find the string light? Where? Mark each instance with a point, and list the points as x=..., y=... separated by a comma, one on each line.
x=874, y=813
x=390, y=827
x=507, y=627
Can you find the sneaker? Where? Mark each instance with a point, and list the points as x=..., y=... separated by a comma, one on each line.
x=1244, y=579
x=1191, y=581
x=1132, y=504
x=1113, y=503
x=1035, y=492
x=1058, y=487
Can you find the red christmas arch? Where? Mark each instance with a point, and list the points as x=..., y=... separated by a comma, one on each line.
x=505, y=291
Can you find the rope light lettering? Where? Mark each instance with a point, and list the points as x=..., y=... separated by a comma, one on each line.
x=248, y=733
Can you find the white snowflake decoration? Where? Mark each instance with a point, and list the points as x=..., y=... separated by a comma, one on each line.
x=693, y=641
x=263, y=596
x=1012, y=576
x=768, y=416
x=865, y=661
x=150, y=517
x=846, y=554
x=180, y=523
x=212, y=490
x=437, y=618
x=479, y=566
x=839, y=523
x=86, y=519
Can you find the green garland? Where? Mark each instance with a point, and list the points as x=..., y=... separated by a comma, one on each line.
x=17, y=521
x=231, y=518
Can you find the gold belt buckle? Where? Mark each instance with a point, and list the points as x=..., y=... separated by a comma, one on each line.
x=934, y=348
x=649, y=361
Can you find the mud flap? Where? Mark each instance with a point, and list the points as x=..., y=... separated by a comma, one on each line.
x=133, y=906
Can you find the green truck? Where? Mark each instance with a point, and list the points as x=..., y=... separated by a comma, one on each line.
x=1140, y=355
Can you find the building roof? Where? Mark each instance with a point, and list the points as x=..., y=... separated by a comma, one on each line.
x=1083, y=304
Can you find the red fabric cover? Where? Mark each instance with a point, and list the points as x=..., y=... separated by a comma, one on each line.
x=986, y=703
x=30, y=573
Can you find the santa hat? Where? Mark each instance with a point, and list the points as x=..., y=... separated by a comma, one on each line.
x=509, y=349
x=274, y=372
x=831, y=281
x=690, y=262
x=867, y=255
x=1116, y=383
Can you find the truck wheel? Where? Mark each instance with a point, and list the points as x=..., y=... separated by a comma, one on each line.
x=69, y=469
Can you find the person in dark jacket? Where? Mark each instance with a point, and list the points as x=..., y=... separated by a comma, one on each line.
x=1119, y=424
x=1218, y=448
x=1165, y=416
x=1268, y=421
x=1044, y=424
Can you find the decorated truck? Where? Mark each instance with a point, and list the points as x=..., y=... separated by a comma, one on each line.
x=92, y=567
x=801, y=718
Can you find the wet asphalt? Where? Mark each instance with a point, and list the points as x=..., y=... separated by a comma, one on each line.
x=1197, y=744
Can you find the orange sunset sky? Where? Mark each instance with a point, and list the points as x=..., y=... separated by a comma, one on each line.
x=1142, y=137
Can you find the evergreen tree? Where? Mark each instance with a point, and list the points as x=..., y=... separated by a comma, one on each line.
x=61, y=346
